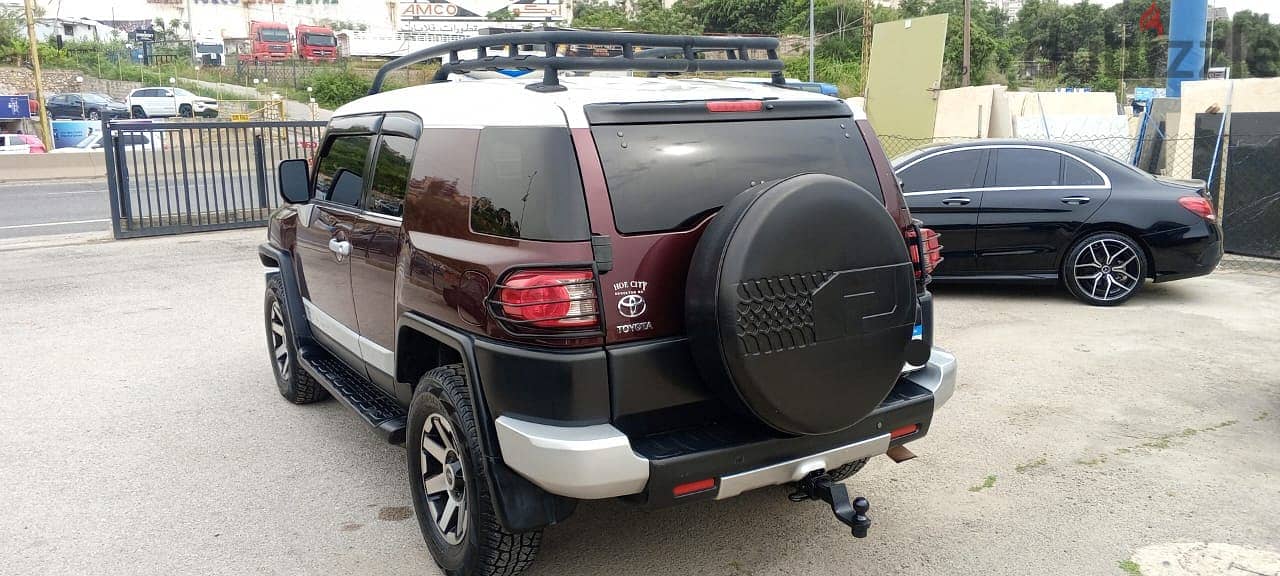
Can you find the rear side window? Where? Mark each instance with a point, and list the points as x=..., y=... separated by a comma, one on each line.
x=527, y=185
x=390, y=176
x=340, y=176
x=947, y=171
x=1023, y=167
x=1077, y=174
x=668, y=176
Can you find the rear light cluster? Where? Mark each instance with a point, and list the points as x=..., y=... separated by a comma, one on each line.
x=556, y=299
x=927, y=242
x=1199, y=205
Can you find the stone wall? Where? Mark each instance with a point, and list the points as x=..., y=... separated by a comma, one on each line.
x=21, y=81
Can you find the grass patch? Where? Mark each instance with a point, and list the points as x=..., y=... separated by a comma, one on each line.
x=1130, y=567
x=1261, y=416
x=1038, y=462
x=987, y=482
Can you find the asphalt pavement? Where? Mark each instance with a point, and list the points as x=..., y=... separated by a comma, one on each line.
x=141, y=433
x=42, y=208
x=53, y=207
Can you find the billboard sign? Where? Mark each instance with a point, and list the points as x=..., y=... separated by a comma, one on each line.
x=479, y=10
x=67, y=133
x=15, y=107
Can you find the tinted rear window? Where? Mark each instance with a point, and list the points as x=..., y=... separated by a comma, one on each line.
x=668, y=176
x=527, y=185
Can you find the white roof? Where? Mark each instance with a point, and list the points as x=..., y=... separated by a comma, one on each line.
x=506, y=101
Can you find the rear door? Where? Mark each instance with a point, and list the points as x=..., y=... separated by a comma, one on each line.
x=944, y=190
x=324, y=234
x=1035, y=201
x=376, y=242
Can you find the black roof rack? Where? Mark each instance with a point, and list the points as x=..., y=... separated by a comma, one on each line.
x=654, y=55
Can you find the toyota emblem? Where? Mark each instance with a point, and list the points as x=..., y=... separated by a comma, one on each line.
x=631, y=305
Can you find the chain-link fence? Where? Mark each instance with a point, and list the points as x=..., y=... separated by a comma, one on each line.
x=1240, y=169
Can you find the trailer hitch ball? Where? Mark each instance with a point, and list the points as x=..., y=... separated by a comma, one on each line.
x=852, y=513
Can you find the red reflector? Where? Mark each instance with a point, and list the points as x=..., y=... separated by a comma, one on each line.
x=904, y=431
x=1199, y=205
x=691, y=487
x=735, y=106
x=550, y=298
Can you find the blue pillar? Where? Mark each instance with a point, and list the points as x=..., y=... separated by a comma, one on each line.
x=1186, y=43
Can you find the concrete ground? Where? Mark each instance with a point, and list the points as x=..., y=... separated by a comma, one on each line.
x=141, y=433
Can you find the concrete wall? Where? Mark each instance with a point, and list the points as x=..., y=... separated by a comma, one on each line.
x=15, y=167
x=21, y=81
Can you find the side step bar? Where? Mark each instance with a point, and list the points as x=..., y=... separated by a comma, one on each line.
x=359, y=394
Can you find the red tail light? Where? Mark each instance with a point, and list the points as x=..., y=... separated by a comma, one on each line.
x=1198, y=205
x=735, y=106
x=928, y=242
x=549, y=298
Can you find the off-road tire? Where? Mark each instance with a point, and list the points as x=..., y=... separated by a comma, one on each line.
x=295, y=384
x=486, y=548
x=185, y=111
x=1073, y=268
x=842, y=473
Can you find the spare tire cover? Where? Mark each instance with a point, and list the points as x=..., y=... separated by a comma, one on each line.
x=800, y=303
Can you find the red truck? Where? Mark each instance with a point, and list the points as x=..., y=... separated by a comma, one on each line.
x=316, y=43
x=268, y=41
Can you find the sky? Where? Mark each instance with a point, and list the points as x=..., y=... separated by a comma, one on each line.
x=1271, y=7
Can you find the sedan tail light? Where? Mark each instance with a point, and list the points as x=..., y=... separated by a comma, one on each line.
x=563, y=299
x=1198, y=205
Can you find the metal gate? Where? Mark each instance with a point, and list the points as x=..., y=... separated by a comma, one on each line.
x=190, y=176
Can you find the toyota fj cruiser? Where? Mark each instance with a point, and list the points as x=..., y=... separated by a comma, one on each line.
x=579, y=287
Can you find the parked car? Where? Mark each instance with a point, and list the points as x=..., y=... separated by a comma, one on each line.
x=85, y=106
x=21, y=144
x=132, y=141
x=1015, y=210
x=577, y=288
x=162, y=102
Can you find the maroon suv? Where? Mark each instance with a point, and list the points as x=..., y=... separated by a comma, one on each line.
x=579, y=287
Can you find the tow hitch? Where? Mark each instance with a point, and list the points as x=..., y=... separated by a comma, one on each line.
x=818, y=486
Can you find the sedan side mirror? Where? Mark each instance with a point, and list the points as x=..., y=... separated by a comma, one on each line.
x=294, y=181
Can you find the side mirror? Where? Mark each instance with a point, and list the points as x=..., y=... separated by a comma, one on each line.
x=294, y=181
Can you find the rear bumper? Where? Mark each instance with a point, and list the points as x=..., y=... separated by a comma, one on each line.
x=1185, y=252
x=600, y=461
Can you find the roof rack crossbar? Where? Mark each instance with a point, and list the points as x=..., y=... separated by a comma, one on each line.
x=652, y=52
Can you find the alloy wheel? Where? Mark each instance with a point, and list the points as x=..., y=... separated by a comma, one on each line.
x=1107, y=269
x=279, y=344
x=444, y=478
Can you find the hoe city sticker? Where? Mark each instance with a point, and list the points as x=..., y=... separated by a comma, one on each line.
x=631, y=305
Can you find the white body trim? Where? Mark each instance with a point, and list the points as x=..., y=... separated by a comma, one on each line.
x=588, y=462
x=378, y=357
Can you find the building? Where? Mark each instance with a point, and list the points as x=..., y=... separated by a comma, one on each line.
x=376, y=28
x=1011, y=7
x=71, y=28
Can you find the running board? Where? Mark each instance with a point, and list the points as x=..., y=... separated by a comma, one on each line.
x=373, y=405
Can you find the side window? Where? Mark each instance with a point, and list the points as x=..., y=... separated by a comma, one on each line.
x=1022, y=167
x=340, y=176
x=390, y=176
x=527, y=185
x=943, y=172
x=1077, y=174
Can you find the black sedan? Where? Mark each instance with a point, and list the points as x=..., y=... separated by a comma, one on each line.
x=1017, y=210
x=86, y=106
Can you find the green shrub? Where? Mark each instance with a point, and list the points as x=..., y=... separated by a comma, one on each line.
x=333, y=89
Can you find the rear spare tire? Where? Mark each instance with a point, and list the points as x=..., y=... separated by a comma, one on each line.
x=801, y=302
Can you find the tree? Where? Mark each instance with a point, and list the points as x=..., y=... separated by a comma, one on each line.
x=598, y=14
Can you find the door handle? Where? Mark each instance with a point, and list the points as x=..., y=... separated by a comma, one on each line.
x=1075, y=200
x=956, y=201
x=340, y=247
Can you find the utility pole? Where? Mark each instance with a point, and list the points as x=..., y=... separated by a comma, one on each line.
x=811, y=38
x=1124, y=55
x=965, y=64
x=35, y=71
x=1212, y=21
x=868, y=20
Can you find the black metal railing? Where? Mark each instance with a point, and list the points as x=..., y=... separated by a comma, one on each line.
x=175, y=177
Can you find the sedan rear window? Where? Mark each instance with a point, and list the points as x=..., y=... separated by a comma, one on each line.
x=669, y=176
